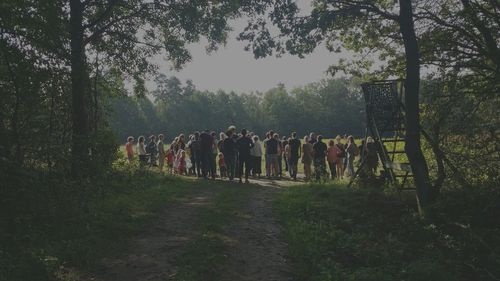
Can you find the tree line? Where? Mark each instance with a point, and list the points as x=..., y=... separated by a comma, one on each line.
x=329, y=107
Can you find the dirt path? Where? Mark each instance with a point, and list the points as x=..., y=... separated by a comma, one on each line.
x=256, y=253
x=259, y=252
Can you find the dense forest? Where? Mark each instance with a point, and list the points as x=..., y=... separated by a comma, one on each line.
x=68, y=197
x=329, y=107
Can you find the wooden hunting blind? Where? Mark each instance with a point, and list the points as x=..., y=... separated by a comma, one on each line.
x=386, y=124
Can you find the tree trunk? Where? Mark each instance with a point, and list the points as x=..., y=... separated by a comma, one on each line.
x=412, y=83
x=438, y=153
x=79, y=147
x=17, y=157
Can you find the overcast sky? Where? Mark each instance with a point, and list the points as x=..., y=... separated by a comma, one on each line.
x=232, y=68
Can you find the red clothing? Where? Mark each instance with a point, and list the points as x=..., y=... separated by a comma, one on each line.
x=221, y=162
x=331, y=154
x=129, y=147
x=336, y=151
x=170, y=157
x=182, y=165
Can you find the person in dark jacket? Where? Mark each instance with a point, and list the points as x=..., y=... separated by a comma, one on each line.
x=295, y=148
x=319, y=152
x=196, y=150
x=229, y=150
x=206, y=144
x=213, y=156
x=152, y=150
x=244, y=145
x=272, y=150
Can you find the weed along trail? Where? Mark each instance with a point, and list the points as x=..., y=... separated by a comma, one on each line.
x=215, y=230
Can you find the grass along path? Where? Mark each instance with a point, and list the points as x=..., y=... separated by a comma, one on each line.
x=337, y=233
x=141, y=225
x=152, y=254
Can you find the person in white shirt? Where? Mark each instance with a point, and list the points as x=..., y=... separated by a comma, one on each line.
x=141, y=151
x=256, y=154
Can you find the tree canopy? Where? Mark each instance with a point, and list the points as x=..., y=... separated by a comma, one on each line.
x=65, y=71
x=329, y=107
x=453, y=40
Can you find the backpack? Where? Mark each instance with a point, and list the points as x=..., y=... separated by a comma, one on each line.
x=149, y=147
x=341, y=153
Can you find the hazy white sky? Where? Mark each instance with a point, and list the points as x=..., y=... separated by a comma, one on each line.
x=232, y=68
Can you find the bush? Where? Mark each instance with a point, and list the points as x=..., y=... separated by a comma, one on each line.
x=336, y=233
x=48, y=220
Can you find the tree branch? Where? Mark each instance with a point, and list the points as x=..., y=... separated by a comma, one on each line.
x=107, y=12
x=103, y=29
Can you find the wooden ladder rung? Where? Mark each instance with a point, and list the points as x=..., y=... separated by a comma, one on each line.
x=404, y=176
x=396, y=152
x=393, y=140
x=398, y=166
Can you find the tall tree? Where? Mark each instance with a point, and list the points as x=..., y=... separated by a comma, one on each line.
x=367, y=27
x=78, y=87
x=412, y=103
x=122, y=34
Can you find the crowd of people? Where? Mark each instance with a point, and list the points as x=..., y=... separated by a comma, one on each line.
x=238, y=155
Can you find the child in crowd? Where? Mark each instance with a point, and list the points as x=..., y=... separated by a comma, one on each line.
x=129, y=147
x=161, y=152
x=141, y=151
x=170, y=159
x=286, y=155
x=152, y=150
x=222, y=166
x=181, y=162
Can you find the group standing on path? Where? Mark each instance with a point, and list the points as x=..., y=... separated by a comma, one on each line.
x=239, y=155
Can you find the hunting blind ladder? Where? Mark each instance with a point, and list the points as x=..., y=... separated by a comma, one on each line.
x=386, y=124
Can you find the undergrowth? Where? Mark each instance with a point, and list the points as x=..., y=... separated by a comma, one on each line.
x=48, y=221
x=336, y=233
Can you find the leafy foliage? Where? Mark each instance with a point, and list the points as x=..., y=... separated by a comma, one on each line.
x=343, y=234
x=329, y=107
x=457, y=48
x=48, y=222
